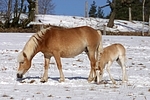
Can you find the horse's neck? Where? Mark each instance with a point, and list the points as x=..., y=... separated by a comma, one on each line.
x=31, y=49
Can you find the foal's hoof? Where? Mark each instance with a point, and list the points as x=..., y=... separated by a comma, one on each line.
x=98, y=83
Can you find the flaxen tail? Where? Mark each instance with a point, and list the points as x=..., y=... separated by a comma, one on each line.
x=100, y=49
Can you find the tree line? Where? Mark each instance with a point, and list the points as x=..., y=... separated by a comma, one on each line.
x=11, y=11
x=121, y=8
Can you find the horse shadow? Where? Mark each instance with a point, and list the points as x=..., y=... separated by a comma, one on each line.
x=52, y=78
x=104, y=81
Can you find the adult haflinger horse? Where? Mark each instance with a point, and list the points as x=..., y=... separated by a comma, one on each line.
x=58, y=43
x=114, y=52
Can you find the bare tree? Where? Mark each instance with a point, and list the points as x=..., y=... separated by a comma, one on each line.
x=112, y=5
x=8, y=12
x=46, y=6
x=113, y=13
x=13, y=10
x=18, y=7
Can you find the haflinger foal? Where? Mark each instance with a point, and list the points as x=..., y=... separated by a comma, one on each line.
x=114, y=52
x=65, y=43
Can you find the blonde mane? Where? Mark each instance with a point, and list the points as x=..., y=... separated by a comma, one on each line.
x=31, y=45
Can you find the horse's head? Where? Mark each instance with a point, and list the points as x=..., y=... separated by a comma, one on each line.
x=24, y=64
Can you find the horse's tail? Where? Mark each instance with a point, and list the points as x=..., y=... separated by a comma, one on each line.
x=100, y=49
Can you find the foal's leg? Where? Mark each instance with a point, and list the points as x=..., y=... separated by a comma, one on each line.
x=59, y=65
x=108, y=70
x=45, y=75
x=121, y=62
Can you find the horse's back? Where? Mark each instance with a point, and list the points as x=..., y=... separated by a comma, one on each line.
x=82, y=34
x=117, y=47
x=83, y=31
x=71, y=42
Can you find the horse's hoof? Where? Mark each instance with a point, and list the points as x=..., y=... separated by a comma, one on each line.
x=114, y=82
x=90, y=80
x=61, y=80
x=43, y=80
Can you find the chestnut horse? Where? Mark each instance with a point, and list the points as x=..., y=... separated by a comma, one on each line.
x=58, y=43
x=114, y=52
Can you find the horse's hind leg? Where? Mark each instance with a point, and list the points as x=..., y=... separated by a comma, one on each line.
x=92, y=75
x=121, y=62
x=99, y=76
x=45, y=75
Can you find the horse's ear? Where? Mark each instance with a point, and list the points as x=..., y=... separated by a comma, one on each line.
x=24, y=54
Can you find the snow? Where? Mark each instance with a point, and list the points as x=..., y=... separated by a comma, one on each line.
x=96, y=23
x=76, y=71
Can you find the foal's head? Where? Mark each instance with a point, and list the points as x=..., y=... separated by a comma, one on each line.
x=24, y=64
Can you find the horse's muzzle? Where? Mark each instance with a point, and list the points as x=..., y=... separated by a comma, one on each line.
x=19, y=75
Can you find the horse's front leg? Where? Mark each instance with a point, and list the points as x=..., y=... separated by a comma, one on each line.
x=45, y=75
x=59, y=65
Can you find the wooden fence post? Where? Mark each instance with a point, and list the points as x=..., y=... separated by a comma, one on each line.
x=149, y=26
x=104, y=29
x=143, y=18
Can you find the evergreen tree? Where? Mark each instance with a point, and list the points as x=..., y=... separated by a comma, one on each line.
x=100, y=13
x=147, y=10
x=92, y=12
x=122, y=10
x=136, y=9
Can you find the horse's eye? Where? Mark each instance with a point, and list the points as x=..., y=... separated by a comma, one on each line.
x=21, y=62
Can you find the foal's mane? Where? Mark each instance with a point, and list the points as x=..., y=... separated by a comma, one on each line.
x=32, y=44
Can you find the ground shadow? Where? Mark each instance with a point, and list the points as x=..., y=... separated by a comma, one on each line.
x=108, y=81
x=53, y=78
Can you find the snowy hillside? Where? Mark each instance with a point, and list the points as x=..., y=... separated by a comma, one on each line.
x=76, y=71
x=97, y=23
